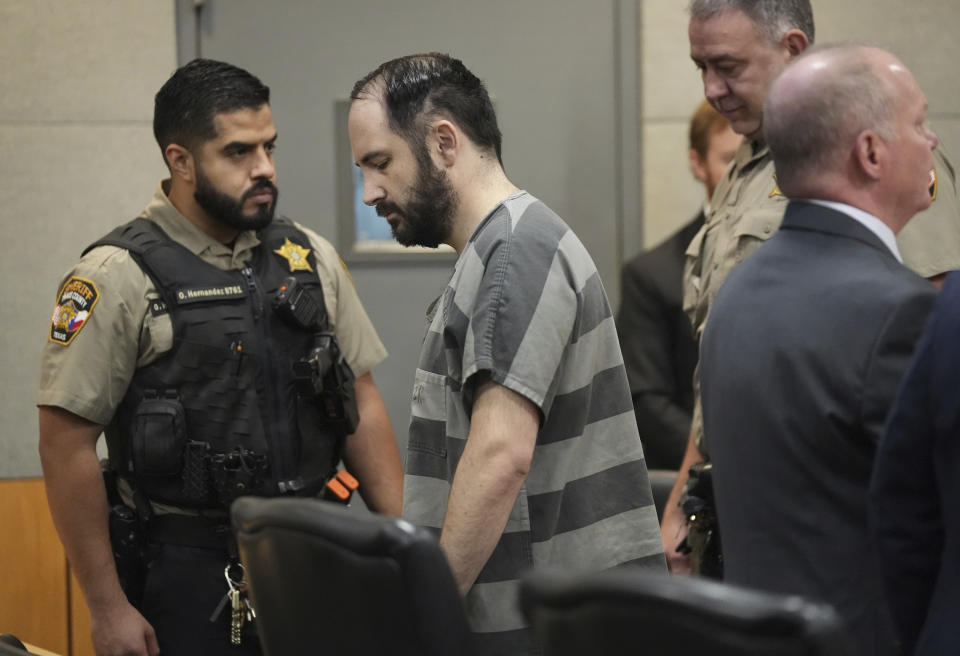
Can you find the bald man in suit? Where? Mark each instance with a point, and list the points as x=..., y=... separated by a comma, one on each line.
x=809, y=338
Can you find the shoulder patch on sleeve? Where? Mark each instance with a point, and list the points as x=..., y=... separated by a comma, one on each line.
x=345, y=269
x=75, y=302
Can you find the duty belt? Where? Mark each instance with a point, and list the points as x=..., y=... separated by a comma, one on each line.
x=191, y=531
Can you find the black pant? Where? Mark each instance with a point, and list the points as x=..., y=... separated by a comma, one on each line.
x=183, y=587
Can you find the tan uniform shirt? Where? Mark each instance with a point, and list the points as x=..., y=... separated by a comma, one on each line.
x=746, y=210
x=930, y=242
x=89, y=375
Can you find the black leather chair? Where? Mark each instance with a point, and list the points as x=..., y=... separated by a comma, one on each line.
x=325, y=580
x=627, y=611
x=10, y=645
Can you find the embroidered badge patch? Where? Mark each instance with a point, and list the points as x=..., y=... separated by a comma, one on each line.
x=344, y=265
x=75, y=302
x=933, y=184
x=776, y=188
x=295, y=255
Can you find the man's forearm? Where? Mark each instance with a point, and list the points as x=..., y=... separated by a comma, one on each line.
x=673, y=524
x=78, y=503
x=691, y=457
x=371, y=452
x=490, y=474
x=482, y=495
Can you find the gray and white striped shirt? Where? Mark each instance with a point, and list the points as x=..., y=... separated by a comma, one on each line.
x=525, y=304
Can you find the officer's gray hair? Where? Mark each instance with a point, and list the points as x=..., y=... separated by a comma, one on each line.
x=810, y=133
x=772, y=17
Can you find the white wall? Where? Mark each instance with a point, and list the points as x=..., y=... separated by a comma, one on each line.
x=552, y=67
x=78, y=157
x=922, y=34
x=78, y=80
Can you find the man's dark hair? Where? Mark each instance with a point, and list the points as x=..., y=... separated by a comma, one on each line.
x=417, y=88
x=185, y=106
x=772, y=17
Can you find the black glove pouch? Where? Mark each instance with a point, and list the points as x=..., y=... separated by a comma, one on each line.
x=160, y=437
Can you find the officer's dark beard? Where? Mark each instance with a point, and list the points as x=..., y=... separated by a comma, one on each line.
x=228, y=210
x=427, y=217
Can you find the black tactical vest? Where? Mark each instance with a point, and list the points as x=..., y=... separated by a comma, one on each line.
x=223, y=413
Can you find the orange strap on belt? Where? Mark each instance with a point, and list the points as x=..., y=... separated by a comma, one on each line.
x=348, y=480
x=336, y=488
x=342, y=486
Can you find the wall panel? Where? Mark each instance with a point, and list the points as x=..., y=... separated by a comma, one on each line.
x=34, y=602
x=75, y=130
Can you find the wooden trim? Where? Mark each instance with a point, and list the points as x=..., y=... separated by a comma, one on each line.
x=38, y=651
x=81, y=643
x=33, y=568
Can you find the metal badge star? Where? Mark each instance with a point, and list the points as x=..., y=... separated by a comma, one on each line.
x=776, y=187
x=295, y=255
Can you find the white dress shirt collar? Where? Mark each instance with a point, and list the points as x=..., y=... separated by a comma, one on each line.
x=869, y=221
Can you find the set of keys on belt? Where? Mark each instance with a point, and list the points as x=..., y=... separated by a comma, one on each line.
x=241, y=610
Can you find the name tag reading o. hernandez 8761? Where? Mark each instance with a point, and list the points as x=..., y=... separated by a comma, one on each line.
x=216, y=293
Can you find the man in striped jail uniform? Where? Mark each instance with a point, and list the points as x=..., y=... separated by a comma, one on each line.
x=523, y=450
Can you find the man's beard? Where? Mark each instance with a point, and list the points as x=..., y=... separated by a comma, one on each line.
x=228, y=210
x=425, y=220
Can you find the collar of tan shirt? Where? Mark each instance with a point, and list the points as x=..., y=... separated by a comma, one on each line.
x=179, y=228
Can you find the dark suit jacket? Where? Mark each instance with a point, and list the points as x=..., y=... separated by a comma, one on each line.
x=916, y=488
x=659, y=350
x=803, y=350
